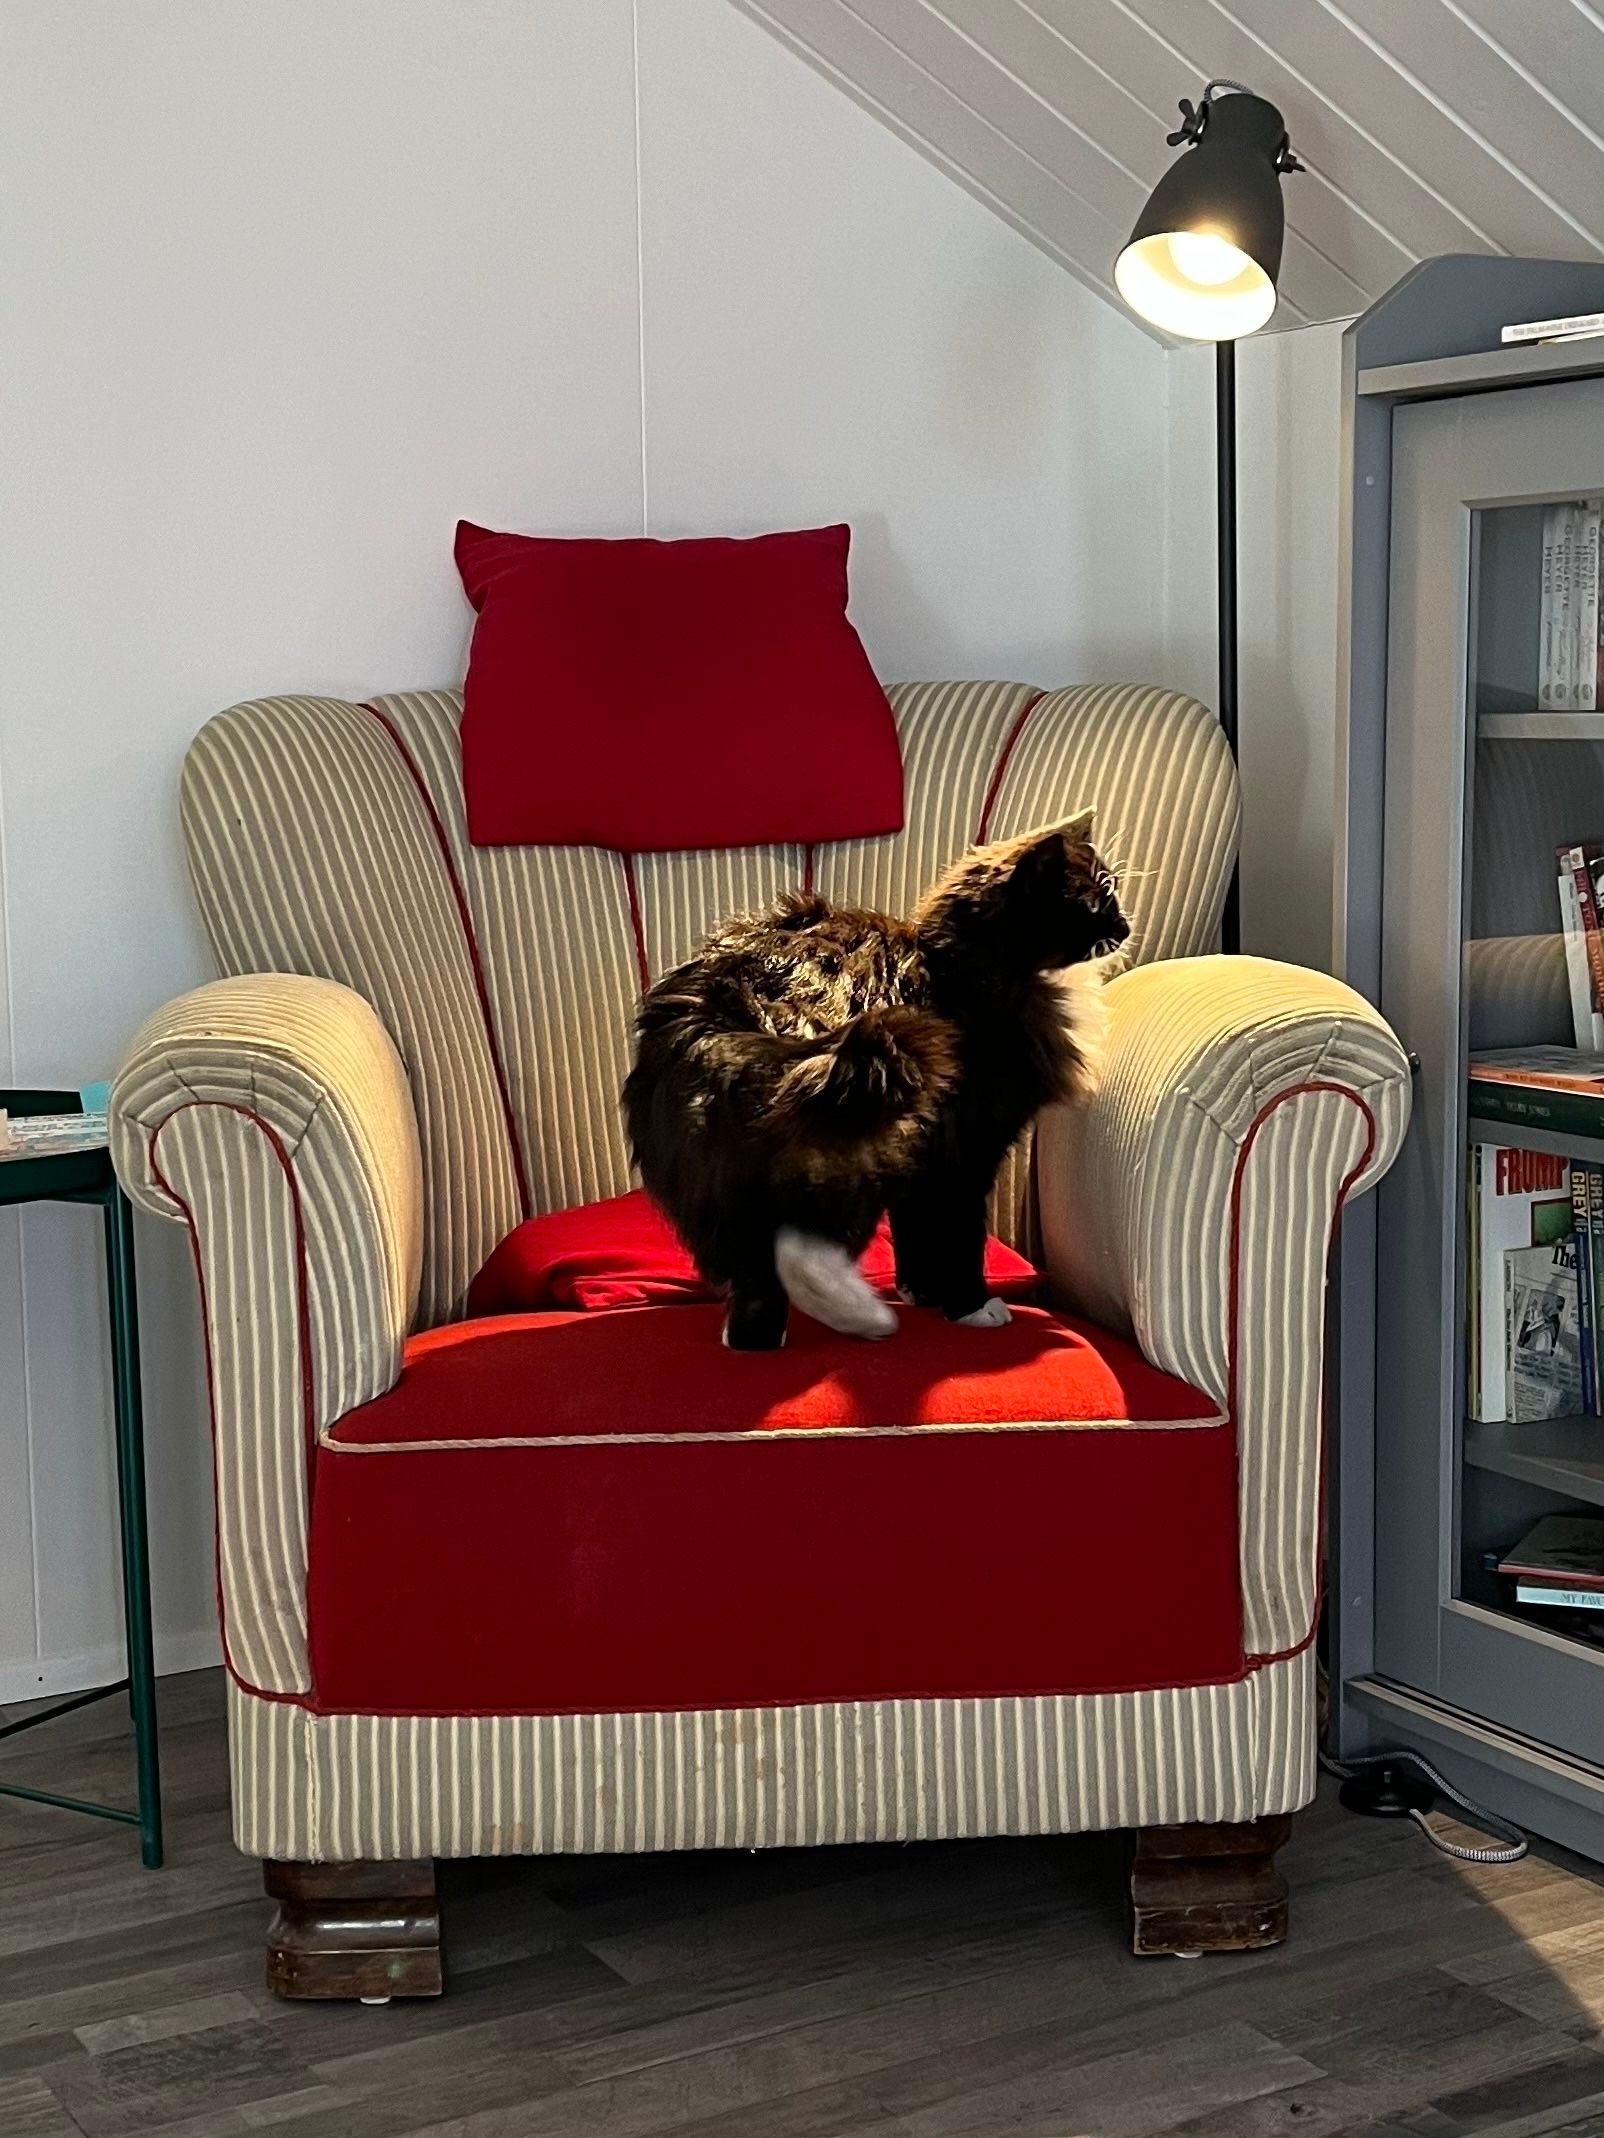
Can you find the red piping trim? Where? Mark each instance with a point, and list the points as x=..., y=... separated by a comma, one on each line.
x=470, y=936
x=637, y=925
x=1256, y=1661
x=983, y=828
x=304, y=1339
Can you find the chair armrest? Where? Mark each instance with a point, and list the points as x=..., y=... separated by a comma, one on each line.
x=271, y=1115
x=1192, y=1203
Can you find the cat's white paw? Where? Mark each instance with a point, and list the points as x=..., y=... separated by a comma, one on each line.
x=993, y=1315
x=822, y=1279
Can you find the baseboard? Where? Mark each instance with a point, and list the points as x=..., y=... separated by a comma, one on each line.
x=198, y=1649
x=1538, y=1788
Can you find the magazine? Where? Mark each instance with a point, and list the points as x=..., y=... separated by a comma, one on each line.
x=1517, y=1200
x=50, y=1135
x=1544, y=1331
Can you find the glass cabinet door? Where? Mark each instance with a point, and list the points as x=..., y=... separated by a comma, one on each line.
x=1490, y=1415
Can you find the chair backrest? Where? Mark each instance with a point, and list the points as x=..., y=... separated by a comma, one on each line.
x=329, y=838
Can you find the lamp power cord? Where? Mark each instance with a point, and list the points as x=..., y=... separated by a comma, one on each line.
x=1395, y=1785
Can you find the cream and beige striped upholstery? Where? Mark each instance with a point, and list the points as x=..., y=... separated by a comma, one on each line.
x=437, y=1045
x=271, y=1113
x=339, y=1787
x=1191, y=1205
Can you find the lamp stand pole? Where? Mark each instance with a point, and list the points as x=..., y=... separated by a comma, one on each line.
x=1225, y=552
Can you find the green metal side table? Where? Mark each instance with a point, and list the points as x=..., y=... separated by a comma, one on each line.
x=87, y=1177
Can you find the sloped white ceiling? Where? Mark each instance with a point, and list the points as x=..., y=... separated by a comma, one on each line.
x=1428, y=126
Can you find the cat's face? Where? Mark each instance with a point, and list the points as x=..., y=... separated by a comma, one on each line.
x=1043, y=902
x=1063, y=899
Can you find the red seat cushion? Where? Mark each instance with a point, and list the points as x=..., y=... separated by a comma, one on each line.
x=624, y=1253
x=609, y=1512
x=648, y=695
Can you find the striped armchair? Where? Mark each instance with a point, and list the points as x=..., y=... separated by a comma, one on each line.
x=426, y=1564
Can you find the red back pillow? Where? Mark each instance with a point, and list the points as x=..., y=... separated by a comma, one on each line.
x=649, y=695
x=624, y=1253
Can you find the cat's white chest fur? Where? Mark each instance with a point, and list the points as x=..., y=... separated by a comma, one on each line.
x=1085, y=1014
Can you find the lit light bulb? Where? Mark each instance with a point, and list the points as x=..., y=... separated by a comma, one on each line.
x=1205, y=259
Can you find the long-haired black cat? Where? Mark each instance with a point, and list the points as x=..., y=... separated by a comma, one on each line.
x=815, y=1065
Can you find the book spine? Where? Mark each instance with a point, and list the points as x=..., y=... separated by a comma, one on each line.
x=1516, y=1400
x=1534, y=1592
x=1474, y=1281
x=1582, y=1231
x=1536, y=1106
x=1547, y=663
x=1584, y=1084
x=1576, y=973
x=1581, y=874
x=1489, y=1292
x=1587, y=609
x=1552, y=329
x=1595, y=1257
x=1565, y=612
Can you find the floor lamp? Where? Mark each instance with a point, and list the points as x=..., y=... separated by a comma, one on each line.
x=1202, y=263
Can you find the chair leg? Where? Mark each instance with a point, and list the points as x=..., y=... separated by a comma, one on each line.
x=367, y=1930
x=1209, y=1888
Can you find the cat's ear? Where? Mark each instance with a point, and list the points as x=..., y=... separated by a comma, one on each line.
x=1042, y=862
x=1080, y=824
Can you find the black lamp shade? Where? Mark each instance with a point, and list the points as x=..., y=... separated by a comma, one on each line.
x=1203, y=258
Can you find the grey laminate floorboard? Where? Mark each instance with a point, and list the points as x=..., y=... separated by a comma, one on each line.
x=970, y=1991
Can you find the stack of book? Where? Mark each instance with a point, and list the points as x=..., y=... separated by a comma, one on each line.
x=1581, y=893
x=1536, y=1269
x=1559, y=1564
x=1570, y=651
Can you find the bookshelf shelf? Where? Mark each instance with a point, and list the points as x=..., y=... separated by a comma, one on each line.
x=1482, y=371
x=1564, y=1455
x=1529, y=1136
x=1540, y=727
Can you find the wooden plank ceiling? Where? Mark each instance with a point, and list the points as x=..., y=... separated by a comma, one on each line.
x=1428, y=126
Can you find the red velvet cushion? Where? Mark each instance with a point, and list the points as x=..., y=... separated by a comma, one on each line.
x=624, y=1253
x=649, y=695
x=599, y=1513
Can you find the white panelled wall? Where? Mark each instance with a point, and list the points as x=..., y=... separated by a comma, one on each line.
x=1289, y=426
x=294, y=286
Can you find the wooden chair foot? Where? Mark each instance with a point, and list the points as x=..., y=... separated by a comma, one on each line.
x=363, y=1930
x=1197, y=1889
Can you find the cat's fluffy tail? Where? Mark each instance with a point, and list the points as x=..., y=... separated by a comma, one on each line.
x=874, y=1085
x=864, y=1093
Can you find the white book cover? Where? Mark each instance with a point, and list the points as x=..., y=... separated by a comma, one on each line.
x=1523, y=1199
x=1587, y=545
x=1545, y=1331
x=1573, y=328
x=1548, y=674
x=1576, y=972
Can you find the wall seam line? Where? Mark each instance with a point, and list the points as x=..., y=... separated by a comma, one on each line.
x=8, y=1069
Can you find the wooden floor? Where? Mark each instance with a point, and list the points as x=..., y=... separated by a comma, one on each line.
x=980, y=1988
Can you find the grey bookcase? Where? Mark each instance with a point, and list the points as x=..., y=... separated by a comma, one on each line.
x=1453, y=790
